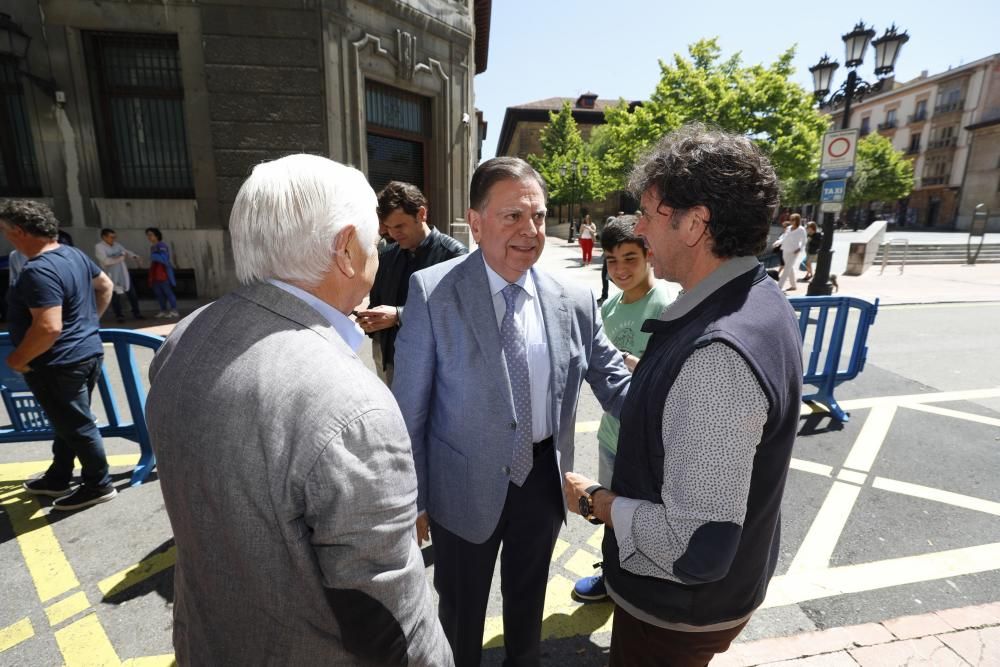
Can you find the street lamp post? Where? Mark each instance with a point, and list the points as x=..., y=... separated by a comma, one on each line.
x=854, y=89
x=572, y=193
x=584, y=170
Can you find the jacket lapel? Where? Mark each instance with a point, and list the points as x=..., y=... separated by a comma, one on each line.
x=559, y=332
x=474, y=298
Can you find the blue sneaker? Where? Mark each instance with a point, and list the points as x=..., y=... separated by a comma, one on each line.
x=590, y=589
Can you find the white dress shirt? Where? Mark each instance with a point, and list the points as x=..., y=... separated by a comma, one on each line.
x=528, y=314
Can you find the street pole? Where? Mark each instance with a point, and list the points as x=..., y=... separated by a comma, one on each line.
x=820, y=284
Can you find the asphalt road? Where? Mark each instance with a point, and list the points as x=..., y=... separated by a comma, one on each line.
x=897, y=512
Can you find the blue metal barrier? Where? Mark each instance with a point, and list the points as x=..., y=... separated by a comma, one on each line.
x=826, y=317
x=28, y=422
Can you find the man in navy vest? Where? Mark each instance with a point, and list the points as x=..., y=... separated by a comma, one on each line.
x=693, y=512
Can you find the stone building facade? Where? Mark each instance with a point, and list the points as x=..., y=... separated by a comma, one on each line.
x=947, y=125
x=138, y=114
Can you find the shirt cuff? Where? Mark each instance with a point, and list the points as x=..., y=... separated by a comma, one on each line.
x=622, y=512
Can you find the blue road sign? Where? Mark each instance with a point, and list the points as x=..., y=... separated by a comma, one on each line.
x=826, y=174
x=833, y=191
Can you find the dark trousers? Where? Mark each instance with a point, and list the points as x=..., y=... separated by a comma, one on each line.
x=64, y=393
x=463, y=571
x=635, y=643
x=604, y=276
x=164, y=295
x=133, y=300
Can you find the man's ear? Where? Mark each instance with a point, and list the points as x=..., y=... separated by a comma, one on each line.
x=342, y=246
x=422, y=214
x=475, y=223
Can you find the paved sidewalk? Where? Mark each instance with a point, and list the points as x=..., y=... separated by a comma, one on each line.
x=964, y=636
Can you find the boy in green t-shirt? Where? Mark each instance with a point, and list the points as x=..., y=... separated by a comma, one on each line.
x=642, y=297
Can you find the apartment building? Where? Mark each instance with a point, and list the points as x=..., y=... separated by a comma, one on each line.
x=948, y=124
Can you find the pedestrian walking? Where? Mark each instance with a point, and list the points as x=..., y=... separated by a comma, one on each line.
x=588, y=231
x=161, y=274
x=791, y=244
x=112, y=257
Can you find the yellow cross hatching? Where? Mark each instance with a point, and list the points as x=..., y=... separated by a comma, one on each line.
x=83, y=641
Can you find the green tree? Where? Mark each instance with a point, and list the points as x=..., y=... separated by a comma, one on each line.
x=758, y=101
x=881, y=173
x=562, y=148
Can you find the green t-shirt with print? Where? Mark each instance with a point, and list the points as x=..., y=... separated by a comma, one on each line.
x=623, y=327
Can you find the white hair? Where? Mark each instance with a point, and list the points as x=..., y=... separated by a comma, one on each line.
x=288, y=213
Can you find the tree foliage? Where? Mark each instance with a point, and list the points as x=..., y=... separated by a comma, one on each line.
x=568, y=165
x=757, y=101
x=881, y=173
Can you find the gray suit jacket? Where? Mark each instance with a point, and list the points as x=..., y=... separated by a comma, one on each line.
x=452, y=387
x=289, y=482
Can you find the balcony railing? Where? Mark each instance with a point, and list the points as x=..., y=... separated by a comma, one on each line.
x=887, y=125
x=935, y=180
x=917, y=118
x=948, y=142
x=913, y=150
x=948, y=107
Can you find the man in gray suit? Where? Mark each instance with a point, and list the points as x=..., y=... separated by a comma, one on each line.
x=489, y=365
x=284, y=463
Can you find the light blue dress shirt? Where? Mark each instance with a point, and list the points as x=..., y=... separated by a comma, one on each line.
x=343, y=325
x=528, y=314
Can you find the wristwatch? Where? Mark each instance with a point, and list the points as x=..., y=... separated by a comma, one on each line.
x=587, y=504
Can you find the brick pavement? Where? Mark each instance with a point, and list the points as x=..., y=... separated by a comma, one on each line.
x=963, y=636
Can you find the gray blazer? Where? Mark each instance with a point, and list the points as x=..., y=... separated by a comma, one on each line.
x=289, y=483
x=452, y=387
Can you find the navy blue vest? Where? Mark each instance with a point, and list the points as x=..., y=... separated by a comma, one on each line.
x=751, y=315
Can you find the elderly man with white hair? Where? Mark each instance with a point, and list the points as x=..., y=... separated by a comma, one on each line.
x=284, y=462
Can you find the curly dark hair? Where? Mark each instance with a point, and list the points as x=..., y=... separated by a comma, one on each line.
x=619, y=230
x=33, y=217
x=396, y=195
x=726, y=173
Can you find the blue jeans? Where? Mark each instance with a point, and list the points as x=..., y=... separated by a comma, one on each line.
x=164, y=294
x=64, y=393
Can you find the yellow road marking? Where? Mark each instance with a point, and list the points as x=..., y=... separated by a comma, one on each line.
x=563, y=616
x=47, y=564
x=581, y=563
x=28, y=469
x=132, y=575
x=809, y=466
x=560, y=548
x=813, y=585
x=595, y=539
x=84, y=643
x=937, y=495
x=957, y=414
x=64, y=609
x=870, y=440
x=13, y=635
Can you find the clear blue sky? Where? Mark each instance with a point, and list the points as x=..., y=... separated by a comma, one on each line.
x=562, y=48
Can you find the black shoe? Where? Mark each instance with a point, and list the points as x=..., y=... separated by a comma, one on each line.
x=85, y=496
x=46, y=487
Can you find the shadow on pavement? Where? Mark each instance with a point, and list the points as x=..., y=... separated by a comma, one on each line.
x=577, y=648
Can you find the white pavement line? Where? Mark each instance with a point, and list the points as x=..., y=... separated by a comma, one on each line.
x=824, y=533
x=801, y=587
x=937, y=495
x=809, y=466
x=937, y=397
x=870, y=440
x=957, y=414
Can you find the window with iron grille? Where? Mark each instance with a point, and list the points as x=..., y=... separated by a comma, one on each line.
x=397, y=133
x=18, y=171
x=139, y=111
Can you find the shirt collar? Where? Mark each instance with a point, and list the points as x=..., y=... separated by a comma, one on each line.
x=498, y=282
x=343, y=325
x=726, y=272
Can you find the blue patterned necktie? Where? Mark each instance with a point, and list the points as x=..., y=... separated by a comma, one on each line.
x=515, y=351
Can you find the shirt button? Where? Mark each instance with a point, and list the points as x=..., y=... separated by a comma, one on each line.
x=506, y=470
x=513, y=426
